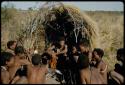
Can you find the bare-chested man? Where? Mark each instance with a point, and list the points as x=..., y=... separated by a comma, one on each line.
x=100, y=64
x=7, y=61
x=19, y=70
x=88, y=75
x=37, y=72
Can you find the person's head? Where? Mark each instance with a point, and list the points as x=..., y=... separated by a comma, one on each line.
x=84, y=45
x=120, y=54
x=97, y=54
x=20, y=51
x=62, y=41
x=45, y=58
x=11, y=44
x=7, y=59
x=83, y=61
x=36, y=59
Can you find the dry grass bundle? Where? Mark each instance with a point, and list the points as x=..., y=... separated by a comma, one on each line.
x=59, y=21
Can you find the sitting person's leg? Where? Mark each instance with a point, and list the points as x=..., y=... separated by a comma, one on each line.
x=117, y=77
x=22, y=80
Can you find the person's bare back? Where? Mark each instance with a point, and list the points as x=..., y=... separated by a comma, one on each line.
x=91, y=76
x=36, y=74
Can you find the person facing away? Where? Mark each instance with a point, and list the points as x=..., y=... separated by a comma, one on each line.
x=88, y=75
x=6, y=62
x=36, y=71
x=100, y=64
x=11, y=46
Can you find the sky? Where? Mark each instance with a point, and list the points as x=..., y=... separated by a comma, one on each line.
x=82, y=5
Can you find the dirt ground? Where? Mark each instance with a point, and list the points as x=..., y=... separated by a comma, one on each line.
x=50, y=80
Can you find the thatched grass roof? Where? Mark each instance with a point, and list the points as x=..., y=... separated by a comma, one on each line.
x=62, y=19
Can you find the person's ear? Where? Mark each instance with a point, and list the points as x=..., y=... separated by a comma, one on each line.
x=7, y=62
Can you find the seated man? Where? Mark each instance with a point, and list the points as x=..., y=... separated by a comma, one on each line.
x=116, y=78
x=100, y=64
x=19, y=70
x=6, y=61
x=37, y=72
x=88, y=75
x=118, y=75
x=119, y=67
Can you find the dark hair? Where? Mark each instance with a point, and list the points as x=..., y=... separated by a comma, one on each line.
x=19, y=49
x=99, y=51
x=56, y=44
x=62, y=38
x=84, y=42
x=83, y=61
x=10, y=43
x=36, y=58
x=120, y=52
x=5, y=56
x=45, y=57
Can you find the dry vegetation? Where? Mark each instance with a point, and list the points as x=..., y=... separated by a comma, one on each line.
x=110, y=26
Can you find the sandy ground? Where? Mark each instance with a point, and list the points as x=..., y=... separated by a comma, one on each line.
x=50, y=80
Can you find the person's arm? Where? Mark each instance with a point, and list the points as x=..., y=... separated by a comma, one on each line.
x=13, y=70
x=46, y=69
x=24, y=62
x=64, y=51
x=28, y=56
x=15, y=79
x=5, y=77
x=83, y=76
x=117, y=77
x=102, y=67
x=83, y=80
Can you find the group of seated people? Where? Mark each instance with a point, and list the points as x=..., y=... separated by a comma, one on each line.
x=78, y=63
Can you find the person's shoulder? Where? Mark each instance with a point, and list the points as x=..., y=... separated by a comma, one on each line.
x=10, y=51
x=102, y=63
x=4, y=73
x=84, y=71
